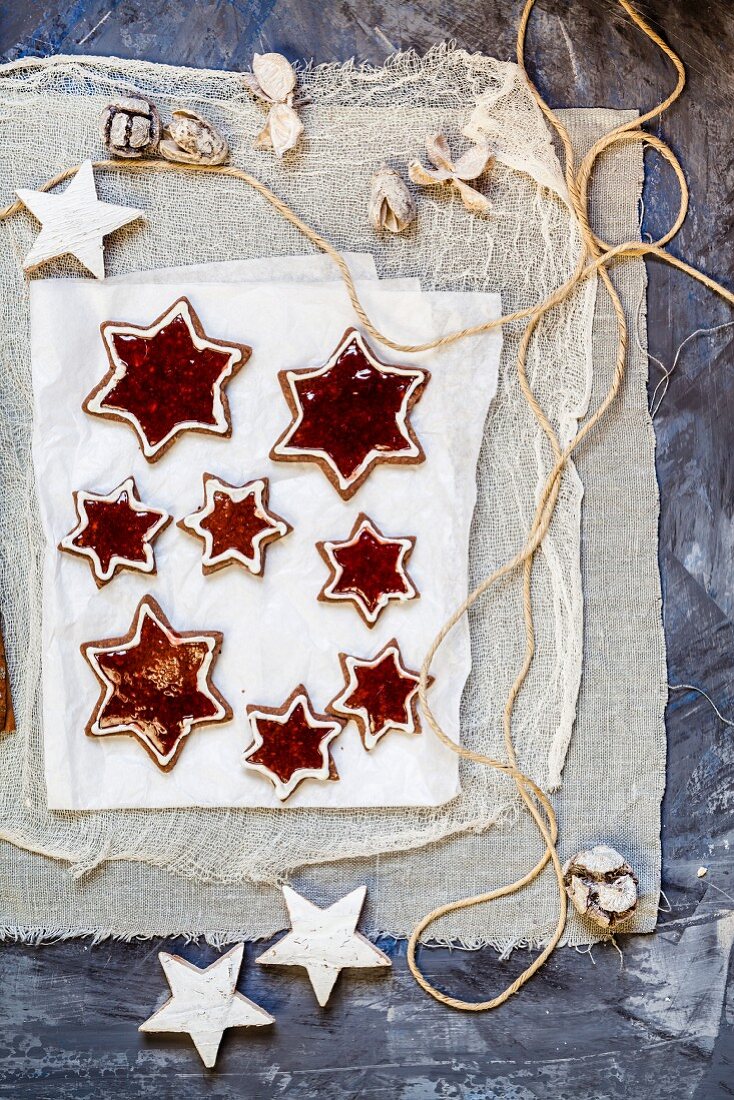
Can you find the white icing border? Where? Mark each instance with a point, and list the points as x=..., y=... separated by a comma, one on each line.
x=82, y=497
x=406, y=545
x=339, y=703
x=284, y=790
x=237, y=493
x=119, y=370
x=413, y=448
x=93, y=652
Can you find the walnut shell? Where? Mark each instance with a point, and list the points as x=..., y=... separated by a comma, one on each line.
x=601, y=885
x=191, y=139
x=131, y=127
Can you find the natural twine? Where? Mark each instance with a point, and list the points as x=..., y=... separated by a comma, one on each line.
x=595, y=258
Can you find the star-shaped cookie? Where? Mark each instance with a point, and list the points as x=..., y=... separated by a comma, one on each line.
x=156, y=684
x=324, y=941
x=351, y=414
x=368, y=570
x=115, y=532
x=235, y=524
x=380, y=694
x=204, y=1002
x=166, y=378
x=74, y=223
x=291, y=743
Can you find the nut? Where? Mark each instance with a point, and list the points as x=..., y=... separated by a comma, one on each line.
x=131, y=127
x=601, y=885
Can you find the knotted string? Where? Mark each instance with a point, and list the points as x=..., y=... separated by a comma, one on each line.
x=595, y=258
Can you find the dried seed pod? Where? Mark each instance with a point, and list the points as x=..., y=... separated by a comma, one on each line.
x=273, y=80
x=469, y=166
x=191, y=139
x=274, y=75
x=601, y=885
x=391, y=204
x=131, y=127
x=282, y=130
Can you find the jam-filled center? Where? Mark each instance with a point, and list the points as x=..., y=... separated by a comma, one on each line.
x=384, y=692
x=235, y=525
x=370, y=568
x=290, y=744
x=115, y=529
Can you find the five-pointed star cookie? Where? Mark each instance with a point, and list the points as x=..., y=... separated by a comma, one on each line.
x=156, y=684
x=380, y=694
x=351, y=414
x=324, y=941
x=291, y=743
x=205, y=1002
x=115, y=532
x=235, y=524
x=74, y=223
x=166, y=378
x=368, y=570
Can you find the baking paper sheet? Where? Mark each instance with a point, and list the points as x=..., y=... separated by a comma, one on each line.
x=276, y=633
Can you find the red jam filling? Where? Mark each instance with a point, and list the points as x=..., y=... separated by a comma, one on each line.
x=351, y=410
x=383, y=691
x=156, y=686
x=115, y=529
x=289, y=746
x=235, y=524
x=168, y=380
x=370, y=569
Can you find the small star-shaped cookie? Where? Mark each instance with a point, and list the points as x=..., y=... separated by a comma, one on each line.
x=379, y=694
x=156, y=684
x=115, y=532
x=235, y=524
x=324, y=941
x=204, y=1002
x=166, y=378
x=368, y=569
x=74, y=223
x=351, y=414
x=291, y=743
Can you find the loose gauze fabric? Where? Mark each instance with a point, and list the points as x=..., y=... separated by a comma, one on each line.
x=204, y=871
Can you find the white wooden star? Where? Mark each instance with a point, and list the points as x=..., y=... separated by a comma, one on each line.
x=324, y=941
x=205, y=1002
x=74, y=223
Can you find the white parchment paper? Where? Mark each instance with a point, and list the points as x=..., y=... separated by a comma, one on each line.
x=276, y=633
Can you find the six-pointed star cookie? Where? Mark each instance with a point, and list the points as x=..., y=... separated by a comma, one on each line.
x=204, y=1002
x=156, y=684
x=74, y=223
x=351, y=414
x=291, y=743
x=324, y=941
x=166, y=378
x=235, y=524
x=368, y=569
x=380, y=694
x=115, y=532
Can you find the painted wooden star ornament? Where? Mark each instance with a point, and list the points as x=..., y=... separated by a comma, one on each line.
x=235, y=524
x=166, y=378
x=156, y=684
x=368, y=570
x=115, y=532
x=351, y=415
x=324, y=941
x=380, y=695
x=291, y=743
x=204, y=1002
x=74, y=223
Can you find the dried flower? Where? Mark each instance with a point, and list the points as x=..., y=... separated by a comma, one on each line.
x=601, y=885
x=191, y=139
x=131, y=127
x=273, y=80
x=391, y=203
x=469, y=166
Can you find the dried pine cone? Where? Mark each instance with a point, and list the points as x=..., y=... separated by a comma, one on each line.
x=601, y=885
x=131, y=127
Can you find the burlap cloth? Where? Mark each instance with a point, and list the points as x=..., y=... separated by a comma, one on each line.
x=211, y=872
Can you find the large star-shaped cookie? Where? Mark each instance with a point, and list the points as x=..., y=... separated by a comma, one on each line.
x=115, y=532
x=204, y=1002
x=351, y=414
x=156, y=684
x=166, y=378
x=368, y=570
x=324, y=941
x=380, y=694
x=291, y=743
